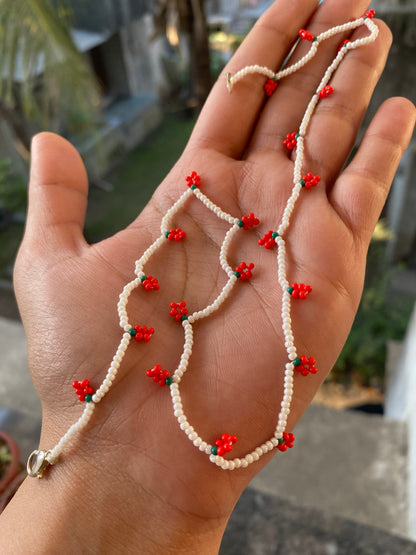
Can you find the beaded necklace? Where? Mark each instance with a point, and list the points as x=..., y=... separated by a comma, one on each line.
x=301, y=364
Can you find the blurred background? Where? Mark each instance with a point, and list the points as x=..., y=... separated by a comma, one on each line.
x=124, y=81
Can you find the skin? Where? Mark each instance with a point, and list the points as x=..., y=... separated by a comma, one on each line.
x=133, y=482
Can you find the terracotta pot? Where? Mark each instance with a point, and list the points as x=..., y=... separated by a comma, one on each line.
x=13, y=468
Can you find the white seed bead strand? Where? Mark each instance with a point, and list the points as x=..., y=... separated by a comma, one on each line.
x=122, y=304
x=186, y=353
x=232, y=80
x=214, y=208
x=289, y=208
x=72, y=432
x=302, y=62
x=224, y=249
x=165, y=223
x=148, y=253
x=113, y=369
x=207, y=311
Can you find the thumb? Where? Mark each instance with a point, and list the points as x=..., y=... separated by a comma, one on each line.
x=58, y=191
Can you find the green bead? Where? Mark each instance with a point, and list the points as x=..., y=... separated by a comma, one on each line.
x=302, y=182
x=214, y=450
x=88, y=398
x=143, y=278
x=297, y=136
x=184, y=317
x=344, y=45
x=365, y=17
x=281, y=441
x=275, y=234
x=240, y=223
x=315, y=39
x=193, y=187
x=290, y=290
x=132, y=332
x=296, y=362
x=167, y=234
x=169, y=381
x=237, y=274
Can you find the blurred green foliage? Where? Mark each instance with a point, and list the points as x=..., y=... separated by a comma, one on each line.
x=383, y=314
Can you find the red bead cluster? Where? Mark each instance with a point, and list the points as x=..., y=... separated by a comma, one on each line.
x=309, y=180
x=299, y=290
x=270, y=86
x=326, y=91
x=178, y=310
x=223, y=445
x=175, y=234
x=193, y=180
x=286, y=442
x=370, y=14
x=142, y=333
x=150, y=283
x=305, y=365
x=291, y=140
x=159, y=376
x=243, y=271
x=268, y=239
x=343, y=43
x=83, y=390
x=248, y=221
x=306, y=35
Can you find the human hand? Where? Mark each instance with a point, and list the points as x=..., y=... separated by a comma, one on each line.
x=133, y=449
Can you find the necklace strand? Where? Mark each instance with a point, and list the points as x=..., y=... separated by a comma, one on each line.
x=39, y=460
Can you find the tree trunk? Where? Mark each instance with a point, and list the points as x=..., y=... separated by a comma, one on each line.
x=193, y=28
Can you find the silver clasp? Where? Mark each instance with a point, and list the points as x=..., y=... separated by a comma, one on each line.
x=37, y=463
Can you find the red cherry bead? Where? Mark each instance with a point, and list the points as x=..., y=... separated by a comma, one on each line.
x=193, y=179
x=270, y=86
x=290, y=142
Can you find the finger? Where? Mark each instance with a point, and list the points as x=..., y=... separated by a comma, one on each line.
x=57, y=195
x=360, y=193
x=295, y=91
x=227, y=120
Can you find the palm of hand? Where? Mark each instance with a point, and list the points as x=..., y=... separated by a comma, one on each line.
x=234, y=383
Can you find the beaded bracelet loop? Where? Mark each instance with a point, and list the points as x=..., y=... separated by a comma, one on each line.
x=303, y=365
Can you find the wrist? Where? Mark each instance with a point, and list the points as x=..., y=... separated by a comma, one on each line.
x=88, y=503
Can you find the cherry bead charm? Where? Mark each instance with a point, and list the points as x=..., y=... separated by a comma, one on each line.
x=149, y=283
x=326, y=91
x=193, y=180
x=299, y=290
x=370, y=14
x=175, y=234
x=268, y=240
x=309, y=180
x=248, y=221
x=83, y=390
x=291, y=140
x=305, y=365
x=159, y=376
x=270, y=86
x=141, y=333
x=223, y=445
x=179, y=311
x=286, y=442
x=306, y=35
x=243, y=271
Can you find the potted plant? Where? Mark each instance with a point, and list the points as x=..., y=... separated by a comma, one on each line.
x=10, y=467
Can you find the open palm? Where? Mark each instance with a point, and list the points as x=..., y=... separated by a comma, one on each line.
x=68, y=290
